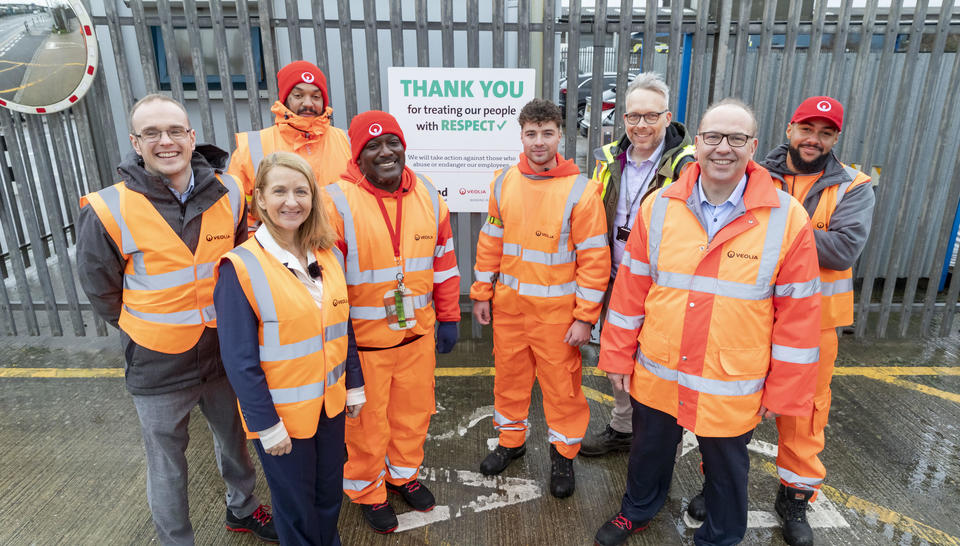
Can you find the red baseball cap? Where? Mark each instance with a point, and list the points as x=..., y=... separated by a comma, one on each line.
x=301, y=72
x=822, y=107
x=368, y=126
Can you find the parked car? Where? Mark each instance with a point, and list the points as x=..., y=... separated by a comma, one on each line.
x=584, y=86
x=608, y=106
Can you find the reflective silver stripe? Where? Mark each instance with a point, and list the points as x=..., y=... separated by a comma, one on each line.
x=434, y=199
x=597, y=241
x=717, y=287
x=629, y=322
x=161, y=281
x=441, y=276
x=589, y=294
x=335, y=331
x=483, y=276
x=794, y=354
x=111, y=197
x=798, y=480
x=189, y=317
x=498, y=190
x=776, y=227
x=372, y=276
x=256, y=149
x=492, y=230
x=336, y=373
x=400, y=472
x=655, y=234
x=841, y=191
x=209, y=313
x=376, y=313
x=799, y=290
x=636, y=267
x=352, y=266
x=743, y=387
x=511, y=249
x=234, y=195
x=418, y=264
x=549, y=258
x=554, y=436
x=576, y=192
x=360, y=485
x=338, y=254
x=502, y=423
x=271, y=352
x=439, y=251
x=839, y=286
x=542, y=291
x=303, y=393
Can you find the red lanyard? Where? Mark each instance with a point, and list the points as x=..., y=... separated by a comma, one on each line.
x=394, y=231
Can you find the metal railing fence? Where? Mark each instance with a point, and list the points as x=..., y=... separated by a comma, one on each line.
x=892, y=70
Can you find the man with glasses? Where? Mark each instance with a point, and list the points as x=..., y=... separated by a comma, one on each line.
x=302, y=125
x=713, y=323
x=649, y=156
x=146, y=248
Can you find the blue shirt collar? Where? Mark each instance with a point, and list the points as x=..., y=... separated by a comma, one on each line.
x=735, y=197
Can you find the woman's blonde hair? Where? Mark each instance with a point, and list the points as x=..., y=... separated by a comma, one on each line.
x=316, y=231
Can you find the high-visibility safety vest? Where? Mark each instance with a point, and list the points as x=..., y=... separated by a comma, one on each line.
x=303, y=348
x=545, y=246
x=371, y=268
x=723, y=326
x=167, y=290
x=836, y=306
x=602, y=172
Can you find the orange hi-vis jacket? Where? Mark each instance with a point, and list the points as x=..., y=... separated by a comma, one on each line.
x=836, y=305
x=325, y=148
x=545, y=241
x=427, y=259
x=712, y=330
x=167, y=290
x=303, y=347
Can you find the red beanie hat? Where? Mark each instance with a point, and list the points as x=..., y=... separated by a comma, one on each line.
x=827, y=108
x=301, y=72
x=368, y=126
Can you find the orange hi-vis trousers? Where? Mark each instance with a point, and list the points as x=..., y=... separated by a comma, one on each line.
x=524, y=349
x=801, y=439
x=386, y=440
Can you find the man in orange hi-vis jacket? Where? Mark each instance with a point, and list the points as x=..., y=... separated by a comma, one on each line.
x=544, y=247
x=302, y=116
x=714, y=322
x=402, y=279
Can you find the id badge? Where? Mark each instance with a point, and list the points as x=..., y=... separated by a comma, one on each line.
x=623, y=233
x=398, y=303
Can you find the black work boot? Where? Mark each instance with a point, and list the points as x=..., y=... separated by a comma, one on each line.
x=562, y=481
x=791, y=506
x=617, y=530
x=500, y=458
x=609, y=440
x=697, y=509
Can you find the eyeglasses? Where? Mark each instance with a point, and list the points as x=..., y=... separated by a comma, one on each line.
x=154, y=135
x=736, y=140
x=634, y=118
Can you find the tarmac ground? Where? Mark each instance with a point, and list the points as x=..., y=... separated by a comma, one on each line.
x=72, y=466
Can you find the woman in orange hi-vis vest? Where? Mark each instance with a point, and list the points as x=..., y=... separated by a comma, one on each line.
x=289, y=351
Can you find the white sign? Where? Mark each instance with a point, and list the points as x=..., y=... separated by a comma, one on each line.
x=460, y=125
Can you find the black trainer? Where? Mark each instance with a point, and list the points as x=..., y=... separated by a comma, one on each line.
x=562, y=480
x=416, y=494
x=697, y=509
x=607, y=441
x=618, y=530
x=381, y=517
x=260, y=523
x=791, y=506
x=500, y=458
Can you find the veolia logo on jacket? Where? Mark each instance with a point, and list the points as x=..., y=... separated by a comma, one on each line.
x=339, y=301
x=743, y=255
x=417, y=236
x=545, y=234
x=219, y=236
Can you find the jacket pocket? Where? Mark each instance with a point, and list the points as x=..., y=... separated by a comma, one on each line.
x=745, y=361
x=821, y=413
x=655, y=346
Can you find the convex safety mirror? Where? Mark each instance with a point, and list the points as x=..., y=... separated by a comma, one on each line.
x=48, y=54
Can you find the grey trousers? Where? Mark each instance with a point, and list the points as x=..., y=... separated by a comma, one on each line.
x=163, y=421
x=621, y=418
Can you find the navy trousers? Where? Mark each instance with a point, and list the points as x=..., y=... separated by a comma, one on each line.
x=306, y=485
x=650, y=471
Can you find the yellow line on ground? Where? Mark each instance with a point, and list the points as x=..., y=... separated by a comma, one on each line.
x=896, y=370
x=597, y=396
x=904, y=523
x=925, y=389
x=61, y=373
x=463, y=372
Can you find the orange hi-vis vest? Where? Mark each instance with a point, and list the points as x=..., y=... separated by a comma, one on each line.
x=324, y=147
x=712, y=330
x=303, y=347
x=167, y=290
x=836, y=305
x=545, y=246
x=371, y=268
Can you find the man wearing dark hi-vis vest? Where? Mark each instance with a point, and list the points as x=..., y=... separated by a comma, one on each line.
x=146, y=249
x=302, y=125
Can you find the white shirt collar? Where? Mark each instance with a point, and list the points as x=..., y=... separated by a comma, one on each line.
x=282, y=255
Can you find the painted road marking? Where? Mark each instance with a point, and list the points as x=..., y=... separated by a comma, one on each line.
x=508, y=491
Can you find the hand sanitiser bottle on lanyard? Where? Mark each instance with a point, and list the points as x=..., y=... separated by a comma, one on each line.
x=398, y=302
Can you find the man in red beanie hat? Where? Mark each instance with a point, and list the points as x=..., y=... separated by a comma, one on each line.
x=839, y=200
x=402, y=279
x=302, y=126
